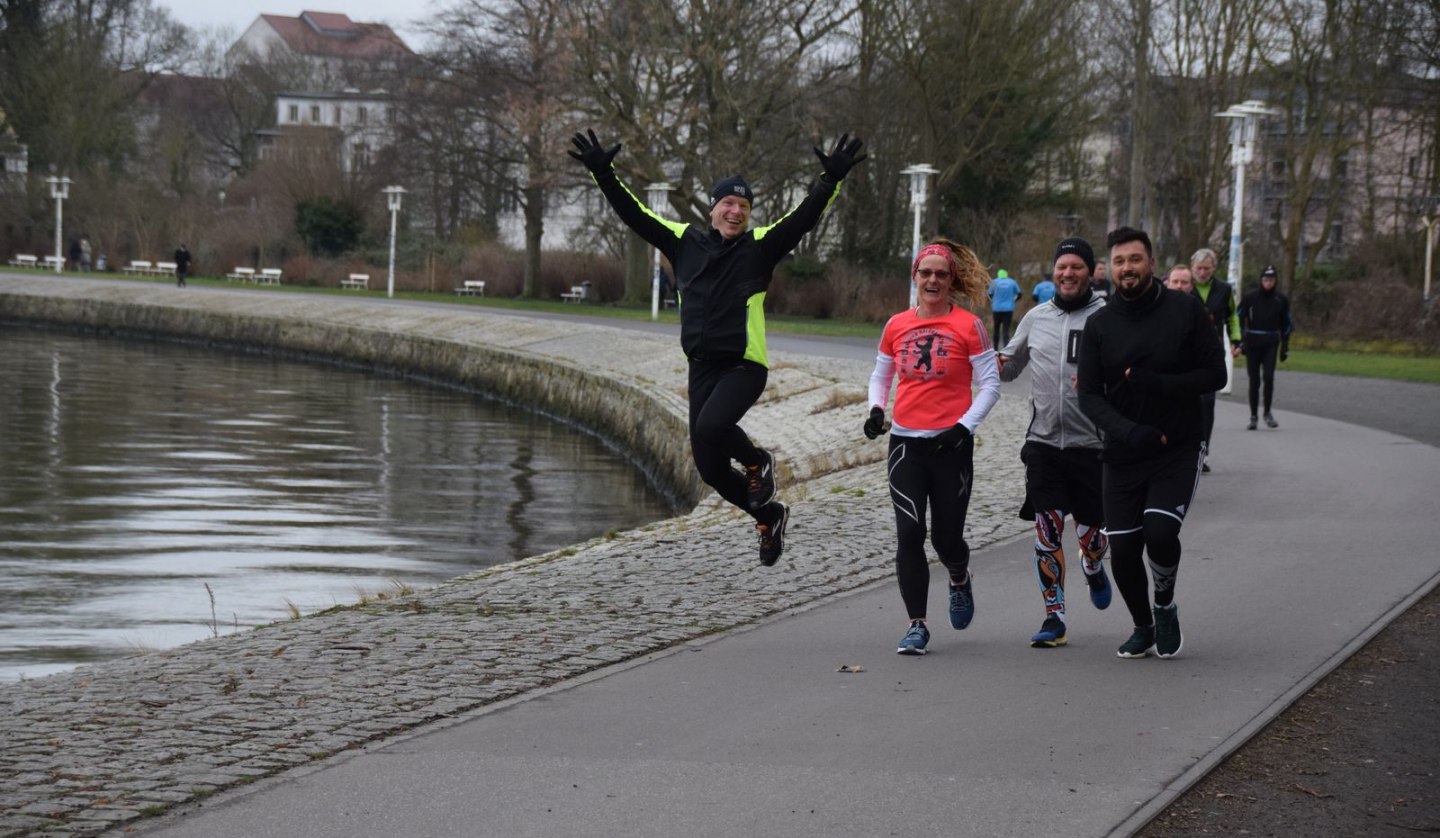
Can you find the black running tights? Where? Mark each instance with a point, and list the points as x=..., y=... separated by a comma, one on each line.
x=922, y=476
x=720, y=394
x=1260, y=365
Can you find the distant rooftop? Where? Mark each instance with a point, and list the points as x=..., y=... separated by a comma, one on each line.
x=335, y=35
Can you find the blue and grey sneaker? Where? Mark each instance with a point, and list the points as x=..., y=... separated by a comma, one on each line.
x=1050, y=635
x=1099, y=584
x=915, y=640
x=962, y=602
x=760, y=481
x=1141, y=642
x=1167, y=631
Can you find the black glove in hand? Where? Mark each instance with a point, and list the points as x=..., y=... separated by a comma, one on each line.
x=839, y=162
x=589, y=152
x=1146, y=381
x=875, y=425
x=1145, y=439
x=952, y=438
x=1284, y=353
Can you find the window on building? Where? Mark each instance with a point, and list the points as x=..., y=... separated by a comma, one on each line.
x=294, y=113
x=1277, y=168
x=337, y=114
x=359, y=157
x=315, y=114
x=361, y=113
x=1342, y=167
x=1414, y=166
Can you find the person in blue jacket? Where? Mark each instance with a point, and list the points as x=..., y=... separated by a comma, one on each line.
x=722, y=272
x=1044, y=290
x=1004, y=292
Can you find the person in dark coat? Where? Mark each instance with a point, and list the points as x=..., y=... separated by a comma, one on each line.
x=182, y=265
x=1265, y=328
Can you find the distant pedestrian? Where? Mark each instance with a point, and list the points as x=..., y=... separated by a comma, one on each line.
x=1062, y=446
x=182, y=265
x=85, y=254
x=1044, y=290
x=1219, y=300
x=74, y=254
x=1099, y=284
x=1004, y=293
x=1265, y=328
x=1179, y=278
x=942, y=355
x=1144, y=361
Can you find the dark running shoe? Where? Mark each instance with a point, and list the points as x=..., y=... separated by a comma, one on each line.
x=760, y=481
x=1204, y=468
x=915, y=640
x=962, y=603
x=1253, y=423
x=1099, y=585
x=1139, y=644
x=772, y=536
x=1050, y=635
x=1167, y=631
x=1270, y=421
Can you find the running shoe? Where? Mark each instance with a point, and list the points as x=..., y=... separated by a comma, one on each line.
x=772, y=536
x=760, y=481
x=1167, y=631
x=1099, y=585
x=1204, y=468
x=1050, y=635
x=915, y=640
x=1270, y=421
x=962, y=603
x=1139, y=644
x=1253, y=423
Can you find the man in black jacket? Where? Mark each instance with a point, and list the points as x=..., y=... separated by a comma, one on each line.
x=1145, y=360
x=722, y=272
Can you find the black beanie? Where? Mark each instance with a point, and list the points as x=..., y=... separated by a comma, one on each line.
x=1079, y=247
x=1270, y=272
x=734, y=185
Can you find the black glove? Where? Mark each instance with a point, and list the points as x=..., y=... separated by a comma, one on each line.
x=1145, y=439
x=589, y=152
x=1284, y=352
x=1146, y=381
x=953, y=437
x=839, y=162
x=875, y=425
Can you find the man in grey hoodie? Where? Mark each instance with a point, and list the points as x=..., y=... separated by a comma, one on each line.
x=1062, y=447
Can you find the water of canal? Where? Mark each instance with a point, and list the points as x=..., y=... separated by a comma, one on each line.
x=152, y=494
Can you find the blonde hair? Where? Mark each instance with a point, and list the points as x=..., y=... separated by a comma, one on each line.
x=971, y=278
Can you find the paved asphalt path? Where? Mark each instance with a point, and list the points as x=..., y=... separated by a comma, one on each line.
x=1302, y=544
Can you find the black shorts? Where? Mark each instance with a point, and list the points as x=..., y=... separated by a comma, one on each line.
x=1163, y=484
x=1068, y=479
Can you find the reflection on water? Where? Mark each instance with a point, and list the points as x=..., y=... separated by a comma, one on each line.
x=134, y=474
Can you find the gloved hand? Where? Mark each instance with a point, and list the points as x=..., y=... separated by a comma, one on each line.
x=1146, y=381
x=1284, y=352
x=1146, y=439
x=875, y=425
x=952, y=437
x=839, y=162
x=589, y=152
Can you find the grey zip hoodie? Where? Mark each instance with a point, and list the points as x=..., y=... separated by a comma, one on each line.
x=1048, y=341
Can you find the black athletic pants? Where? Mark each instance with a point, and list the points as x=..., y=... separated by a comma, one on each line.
x=1145, y=504
x=922, y=476
x=720, y=394
x=1260, y=366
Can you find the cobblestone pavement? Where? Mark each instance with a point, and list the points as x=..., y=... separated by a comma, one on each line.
x=104, y=745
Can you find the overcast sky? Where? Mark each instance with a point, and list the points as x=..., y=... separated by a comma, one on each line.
x=237, y=15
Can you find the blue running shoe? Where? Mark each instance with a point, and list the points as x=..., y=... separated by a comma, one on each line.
x=1050, y=635
x=915, y=640
x=962, y=603
x=1099, y=585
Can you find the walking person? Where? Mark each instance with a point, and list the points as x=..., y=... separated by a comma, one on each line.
x=940, y=352
x=182, y=265
x=1004, y=293
x=1219, y=300
x=1044, y=290
x=1145, y=360
x=722, y=272
x=1179, y=278
x=1265, y=328
x=1062, y=446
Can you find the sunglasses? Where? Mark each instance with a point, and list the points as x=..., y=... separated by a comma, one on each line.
x=926, y=273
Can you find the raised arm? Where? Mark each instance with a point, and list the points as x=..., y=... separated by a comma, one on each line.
x=781, y=237
x=599, y=160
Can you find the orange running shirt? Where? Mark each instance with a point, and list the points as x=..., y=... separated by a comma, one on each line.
x=932, y=357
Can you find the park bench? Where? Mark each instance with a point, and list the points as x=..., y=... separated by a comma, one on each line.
x=471, y=288
x=576, y=294
x=242, y=274
x=22, y=260
x=166, y=268
x=52, y=261
x=359, y=282
x=138, y=267
x=268, y=276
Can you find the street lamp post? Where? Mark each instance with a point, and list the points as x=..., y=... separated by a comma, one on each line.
x=59, y=190
x=655, y=194
x=919, y=174
x=1428, y=208
x=1244, y=120
x=392, y=200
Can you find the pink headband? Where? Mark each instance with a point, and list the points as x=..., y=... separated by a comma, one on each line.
x=936, y=250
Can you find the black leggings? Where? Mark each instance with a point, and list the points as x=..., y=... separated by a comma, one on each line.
x=1260, y=365
x=720, y=394
x=920, y=475
x=1004, y=327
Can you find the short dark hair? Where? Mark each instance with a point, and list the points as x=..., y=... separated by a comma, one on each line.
x=1122, y=235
